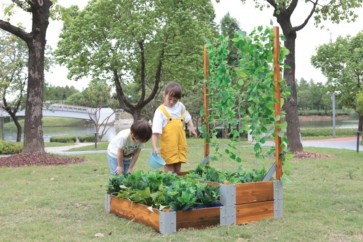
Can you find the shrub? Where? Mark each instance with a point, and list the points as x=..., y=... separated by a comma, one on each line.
x=86, y=138
x=9, y=148
x=64, y=139
x=327, y=132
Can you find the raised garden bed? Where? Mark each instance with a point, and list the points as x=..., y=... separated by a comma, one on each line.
x=167, y=221
x=241, y=203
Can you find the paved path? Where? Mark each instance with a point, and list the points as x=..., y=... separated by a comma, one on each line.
x=349, y=143
x=64, y=150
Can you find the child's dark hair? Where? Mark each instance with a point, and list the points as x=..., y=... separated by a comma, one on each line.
x=141, y=130
x=173, y=89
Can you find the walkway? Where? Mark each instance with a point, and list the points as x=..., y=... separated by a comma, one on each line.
x=349, y=143
x=64, y=150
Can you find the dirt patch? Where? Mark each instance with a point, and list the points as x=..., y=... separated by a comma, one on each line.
x=310, y=155
x=33, y=159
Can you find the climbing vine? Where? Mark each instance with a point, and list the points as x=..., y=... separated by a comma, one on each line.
x=241, y=98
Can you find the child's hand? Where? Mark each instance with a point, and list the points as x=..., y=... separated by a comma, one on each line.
x=119, y=170
x=192, y=132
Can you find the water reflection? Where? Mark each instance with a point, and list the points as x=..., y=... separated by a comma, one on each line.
x=342, y=124
x=71, y=131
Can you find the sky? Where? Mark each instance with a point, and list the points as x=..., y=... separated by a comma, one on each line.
x=248, y=17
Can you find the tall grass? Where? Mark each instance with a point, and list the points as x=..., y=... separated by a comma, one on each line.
x=322, y=202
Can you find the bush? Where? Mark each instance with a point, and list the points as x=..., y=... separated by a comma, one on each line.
x=328, y=132
x=64, y=139
x=323, y=112
x=9, y=148
x=86, y=138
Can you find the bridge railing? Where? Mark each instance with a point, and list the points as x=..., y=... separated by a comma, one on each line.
x=64, y=107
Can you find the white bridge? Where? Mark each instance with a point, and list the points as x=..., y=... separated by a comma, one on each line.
x=101, y=115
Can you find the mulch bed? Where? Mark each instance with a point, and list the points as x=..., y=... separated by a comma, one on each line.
x=310, y=155
x=41, y=159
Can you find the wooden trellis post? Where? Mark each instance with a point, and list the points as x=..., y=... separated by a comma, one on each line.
x=206, y=106
x=278, y=102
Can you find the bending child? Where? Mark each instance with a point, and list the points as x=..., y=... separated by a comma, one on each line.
x=169, y=125
x=124, y=149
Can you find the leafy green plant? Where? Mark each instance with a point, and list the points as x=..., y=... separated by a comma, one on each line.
x=163, y=190
x=242, y=175
x=242, y=98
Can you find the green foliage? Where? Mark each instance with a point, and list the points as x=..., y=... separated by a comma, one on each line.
x=58, y=93
x=241, y=98
x=341, y=62
x=242, y=175
x=139, y=47
x=86, y=138
x=359, y=103
x=9, y=148
x=64, y=139
x=311, y=95
x=163, y=190
x=324, y=132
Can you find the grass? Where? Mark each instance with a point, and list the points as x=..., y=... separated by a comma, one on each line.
x=322, y=202
x=50, y=122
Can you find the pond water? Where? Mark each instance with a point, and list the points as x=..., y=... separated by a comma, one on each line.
x=339, y=124
x=112, y=131
x=61, y=131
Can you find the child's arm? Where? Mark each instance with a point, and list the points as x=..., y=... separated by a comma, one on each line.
x=154, y=142
x=133, y=161
x=120, y=162
x=191, y=129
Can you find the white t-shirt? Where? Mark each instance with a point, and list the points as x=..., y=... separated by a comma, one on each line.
x=160, y=120
x=123, y=141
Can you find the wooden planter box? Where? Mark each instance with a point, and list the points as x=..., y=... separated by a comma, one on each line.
x=163, y=221
x=242, y=203
x=253, y=201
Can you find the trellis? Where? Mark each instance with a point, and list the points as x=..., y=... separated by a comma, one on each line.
x=241, y=203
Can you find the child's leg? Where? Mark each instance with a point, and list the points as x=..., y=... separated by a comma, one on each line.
x=177, y=167
x=112, y=164
x=169, y=168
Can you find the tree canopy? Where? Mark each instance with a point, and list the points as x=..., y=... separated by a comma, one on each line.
x=320, y=11
x=342, y=63
x=146, y=43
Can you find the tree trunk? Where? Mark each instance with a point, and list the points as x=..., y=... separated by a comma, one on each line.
x=136, y=114
x=33, y=130
x=290, y=106
x=18, y=126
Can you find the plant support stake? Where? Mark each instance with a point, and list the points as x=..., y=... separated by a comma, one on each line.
x=278, y=102
x=206, y=113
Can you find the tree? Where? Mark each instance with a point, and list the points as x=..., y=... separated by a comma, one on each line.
x=35, y=40
x=58, y=94
x=359, y=104
x=335, y=11
x=229, y=26
x=146, y=43
x=342, y=63
x=13, y=70
x=97, y=95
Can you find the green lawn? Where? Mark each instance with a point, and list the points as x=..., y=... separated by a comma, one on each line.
x=322, y=202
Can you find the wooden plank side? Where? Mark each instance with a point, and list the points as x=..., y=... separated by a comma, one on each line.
x=133, y=211
x=254, y=192
x=254, y=212
x=198, y=218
